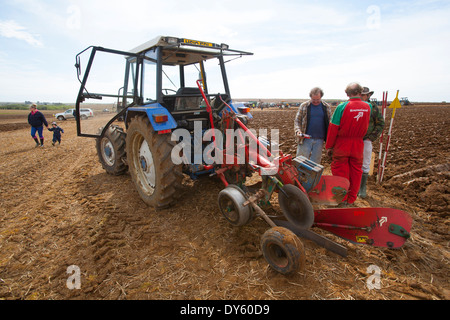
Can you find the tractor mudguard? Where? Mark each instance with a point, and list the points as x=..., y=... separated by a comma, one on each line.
x=154, y=111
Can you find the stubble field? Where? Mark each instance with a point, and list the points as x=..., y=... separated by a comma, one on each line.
x=59, y=208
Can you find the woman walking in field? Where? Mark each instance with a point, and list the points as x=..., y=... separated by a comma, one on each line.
x=37, y=120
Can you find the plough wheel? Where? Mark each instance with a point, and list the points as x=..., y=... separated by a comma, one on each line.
x=231, y=203
x=296, y=206
x=283, y=250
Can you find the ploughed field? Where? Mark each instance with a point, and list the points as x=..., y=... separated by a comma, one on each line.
x=59, y=208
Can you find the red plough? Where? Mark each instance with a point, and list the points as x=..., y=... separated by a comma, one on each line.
x=299, y=184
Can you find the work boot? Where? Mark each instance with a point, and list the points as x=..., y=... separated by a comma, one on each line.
x=343, y=204
x=363, y=188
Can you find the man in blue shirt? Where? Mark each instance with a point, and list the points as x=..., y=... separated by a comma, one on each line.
x=312, y=119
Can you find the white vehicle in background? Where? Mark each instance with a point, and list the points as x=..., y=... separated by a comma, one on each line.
x=68, y=114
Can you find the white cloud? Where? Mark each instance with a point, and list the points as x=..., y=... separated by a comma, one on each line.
x=11, y=29
x=36, y=84
x=296, y=44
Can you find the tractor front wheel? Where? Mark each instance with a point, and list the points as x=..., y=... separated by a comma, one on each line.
x=111, y=150
x=156, y=177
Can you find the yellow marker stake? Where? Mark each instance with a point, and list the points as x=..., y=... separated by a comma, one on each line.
x=395, y=104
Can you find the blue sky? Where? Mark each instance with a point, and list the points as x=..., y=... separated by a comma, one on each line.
x=385, y=45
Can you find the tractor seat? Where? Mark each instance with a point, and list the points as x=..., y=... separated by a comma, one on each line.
x=188, y=99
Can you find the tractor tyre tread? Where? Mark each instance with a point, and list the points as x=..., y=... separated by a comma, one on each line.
x=168, y=175
x=118, y=138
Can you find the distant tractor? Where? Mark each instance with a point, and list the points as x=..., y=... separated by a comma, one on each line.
x=405, y=102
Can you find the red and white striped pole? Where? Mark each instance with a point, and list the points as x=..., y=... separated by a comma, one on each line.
x=383, y=112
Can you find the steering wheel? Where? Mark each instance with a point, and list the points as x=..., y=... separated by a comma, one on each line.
x=168, y=90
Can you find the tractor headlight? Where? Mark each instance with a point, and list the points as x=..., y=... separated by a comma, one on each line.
x=172, y=40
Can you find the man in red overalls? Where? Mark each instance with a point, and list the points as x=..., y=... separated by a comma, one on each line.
x=345, y=143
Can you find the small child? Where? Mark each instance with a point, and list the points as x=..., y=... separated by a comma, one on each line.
x=56, y=133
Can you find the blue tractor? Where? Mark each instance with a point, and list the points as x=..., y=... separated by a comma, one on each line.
x=160, y=93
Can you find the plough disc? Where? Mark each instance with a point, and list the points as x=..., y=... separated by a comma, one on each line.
x=296, y=207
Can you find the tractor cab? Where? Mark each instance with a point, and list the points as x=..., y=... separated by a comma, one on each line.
x=405, y=101
x=160, y=78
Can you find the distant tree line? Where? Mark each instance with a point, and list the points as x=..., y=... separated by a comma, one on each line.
x=26, y=106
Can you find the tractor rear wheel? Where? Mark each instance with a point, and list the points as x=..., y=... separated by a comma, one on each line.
x=156, y=177
x=283, y=250
x=111, y=150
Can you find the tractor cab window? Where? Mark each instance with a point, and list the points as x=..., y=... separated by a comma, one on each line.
x=149, y=79
x=129, y=92
x=179, y=85
x=213, y=77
